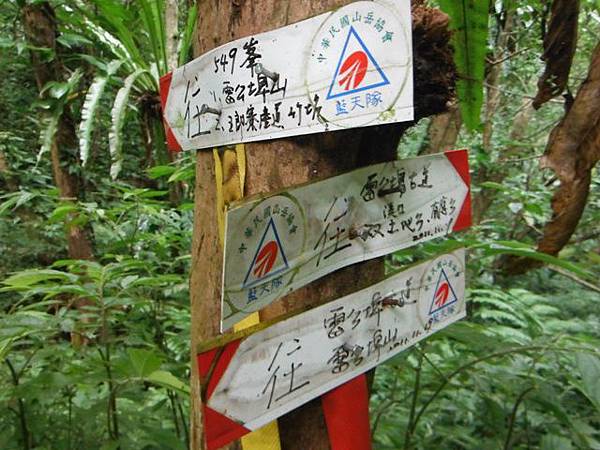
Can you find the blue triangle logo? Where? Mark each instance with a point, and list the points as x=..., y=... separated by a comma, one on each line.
x=443, y=294
x=354, y=72
x=269, y=258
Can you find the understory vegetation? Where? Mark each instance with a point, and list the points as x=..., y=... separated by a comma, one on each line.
x=95, y=240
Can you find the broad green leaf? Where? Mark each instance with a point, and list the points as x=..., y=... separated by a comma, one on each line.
x=5, y=347
x=61, y=212
x=160, y=171
x=469, y=21
x=168, y=380
x=144, y=362
x=589, y=369
x=520, y=249
x=493, y=185
x=71, y=40
x=552, y=442
x=182, y=174
x=15, y=200
x=30, y=277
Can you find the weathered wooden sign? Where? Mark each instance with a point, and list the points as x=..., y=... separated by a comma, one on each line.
x=281, y=242
x=344, y=69
x=255, y=380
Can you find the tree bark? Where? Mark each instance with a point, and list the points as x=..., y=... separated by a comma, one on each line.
x=287, y=162
x=442, y=132
x=8, y=181
x=41, y=31
x=172, y=31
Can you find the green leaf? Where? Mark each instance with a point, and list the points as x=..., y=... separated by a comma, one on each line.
x=30, y=277
x=168, y=380
x=71, y=39
x=15, y=200
x=493, y=185
x=144, y=362
x=61, y=212
x=5, y=347
x=115, y=19
x=469, y=21
x=520, y=249
x=115, y=137
x=552, y=442
x=589, y=369
x=111, y=445
x=185, y=43
x=160, y=171
x=60, y=91
x=182, y=174
x=153, y=19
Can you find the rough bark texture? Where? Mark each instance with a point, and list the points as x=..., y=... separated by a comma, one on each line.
x=7, y=180
x=560, y=44
x=172, y=31
x=41, y=31
x=287, y=162
x=443, y=131
x=572, y=152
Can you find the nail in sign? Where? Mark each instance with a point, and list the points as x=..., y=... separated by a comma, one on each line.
x=255, y=380
x=344, y=69
x=279, y=243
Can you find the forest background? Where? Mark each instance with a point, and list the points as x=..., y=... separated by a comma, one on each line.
x=96, y=228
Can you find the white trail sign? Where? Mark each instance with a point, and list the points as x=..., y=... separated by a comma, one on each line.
x=281, y=242
x=344, y=69
x=254, y=380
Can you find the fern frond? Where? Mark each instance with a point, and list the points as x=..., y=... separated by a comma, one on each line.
x=118, y=113
x=501, y=317
x=52, y=120
x=507, y=334
x=88, y=111
x=494, y=302
x=469, y=20
x=48, y=133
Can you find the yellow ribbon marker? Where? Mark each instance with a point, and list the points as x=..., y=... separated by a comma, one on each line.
x=230, y=178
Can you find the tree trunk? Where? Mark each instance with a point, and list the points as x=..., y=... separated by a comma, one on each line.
x=7, y=179
x=485, y=198
x=287, y=162
x=172, y=41
x=172, y=31
x=41, y=31
x=493, y=97
x=442, y=132
x=493, y=80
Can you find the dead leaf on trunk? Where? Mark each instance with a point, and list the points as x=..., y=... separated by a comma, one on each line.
x=572, y=152
x=560, y=43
